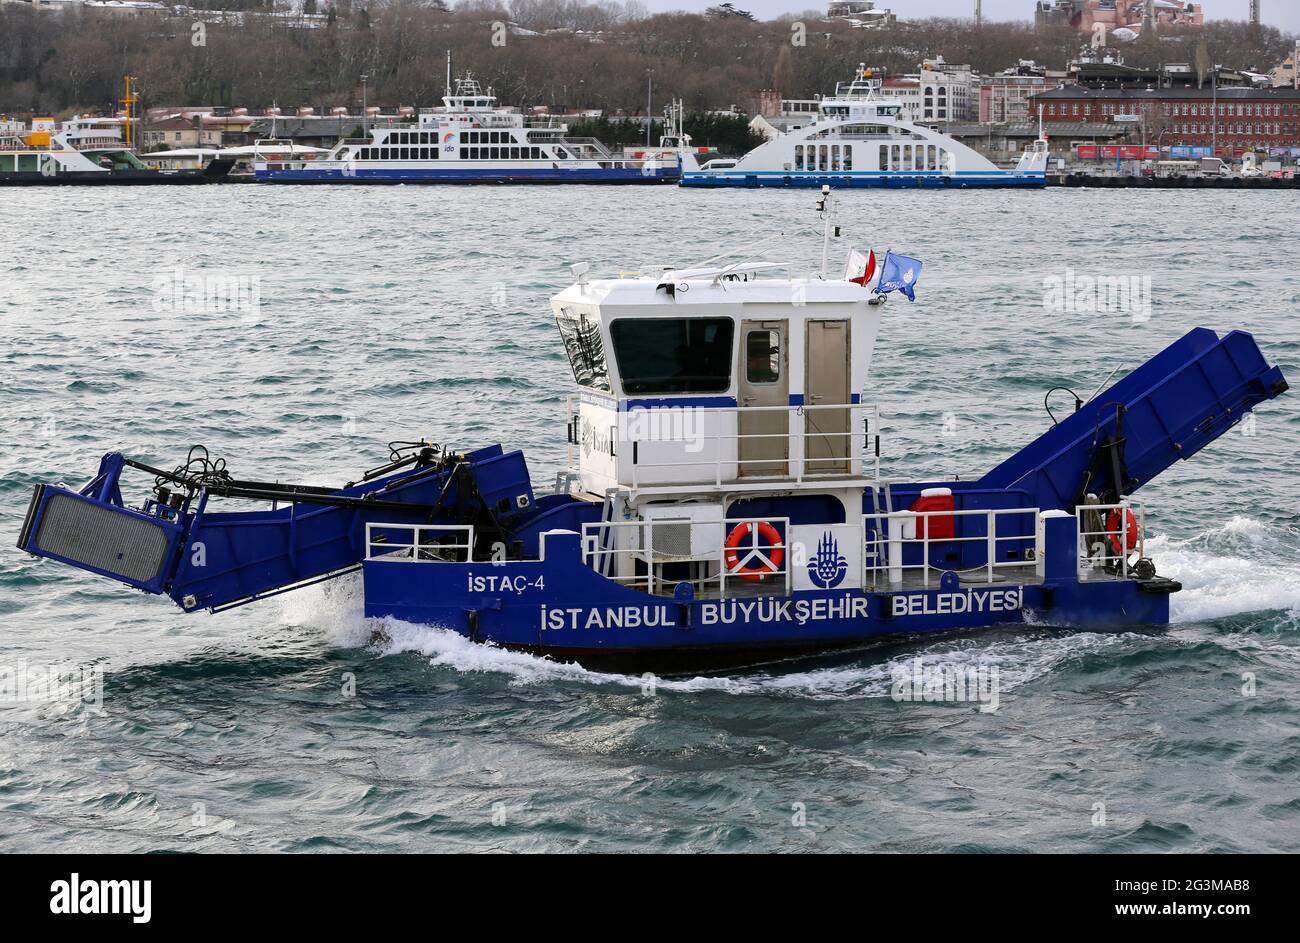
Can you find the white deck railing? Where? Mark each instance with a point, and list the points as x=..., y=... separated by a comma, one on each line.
x=721, y=462
x=613, y=548
x=886, y=535
x=1099, y=538
x=421, y=545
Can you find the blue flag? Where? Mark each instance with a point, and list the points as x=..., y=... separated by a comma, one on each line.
x=899, y=273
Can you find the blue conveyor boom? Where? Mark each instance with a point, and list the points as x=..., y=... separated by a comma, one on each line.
x=208, y=559
x=1169, y=408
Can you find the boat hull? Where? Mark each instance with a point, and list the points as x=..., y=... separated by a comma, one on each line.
x=559, y=607
x=901, y=180
x=617, y=175
x=106, y=178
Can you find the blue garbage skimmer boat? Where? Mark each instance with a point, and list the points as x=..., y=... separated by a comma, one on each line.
x=724, y=506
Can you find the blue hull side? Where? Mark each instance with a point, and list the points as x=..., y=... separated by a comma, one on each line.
x=471, y=175
x=877, y=180
x=560, y=607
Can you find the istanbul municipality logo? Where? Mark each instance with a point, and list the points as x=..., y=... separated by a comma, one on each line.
x=826, y=567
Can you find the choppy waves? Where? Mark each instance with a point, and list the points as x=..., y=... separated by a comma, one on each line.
x=301, y=725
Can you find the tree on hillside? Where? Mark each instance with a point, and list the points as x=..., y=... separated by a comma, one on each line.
x=75, y=62
x=726, y=10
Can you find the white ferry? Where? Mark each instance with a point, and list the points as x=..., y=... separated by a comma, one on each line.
x=84, y=151
x=470, y=140
x=40, y=152
x=859, y=140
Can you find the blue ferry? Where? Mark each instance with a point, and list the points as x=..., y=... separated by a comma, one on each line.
x=725, y=502
x=472, y=140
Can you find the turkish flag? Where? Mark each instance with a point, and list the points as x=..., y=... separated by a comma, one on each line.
x=860, y=263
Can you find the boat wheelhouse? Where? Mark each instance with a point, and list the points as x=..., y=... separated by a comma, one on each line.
x=860, y=140
x=470, y=140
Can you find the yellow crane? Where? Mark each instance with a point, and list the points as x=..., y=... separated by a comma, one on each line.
x=129, y=100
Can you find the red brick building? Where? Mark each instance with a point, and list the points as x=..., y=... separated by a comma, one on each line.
x=1239, y=118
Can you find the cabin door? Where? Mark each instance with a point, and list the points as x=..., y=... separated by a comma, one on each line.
x=826, y=379
x=763, y=448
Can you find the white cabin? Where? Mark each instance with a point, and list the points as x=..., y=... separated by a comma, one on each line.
x=713, y=396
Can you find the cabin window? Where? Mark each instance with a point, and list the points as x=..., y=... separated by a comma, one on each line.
x=798, y=157
x=848, y=156
x=673, y=355
x=799, y=508
x=884, y=157
x=581, y=337
x=763, y=356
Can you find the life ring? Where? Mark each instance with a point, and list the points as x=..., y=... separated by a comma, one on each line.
x=1113, y=531
x=769, y=561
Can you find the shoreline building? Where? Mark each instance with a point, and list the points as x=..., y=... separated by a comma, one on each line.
x=1286, y=74
x=1232, y=118
x=905, y=90
x=939, y=93
x=1005, y=96
x=1083, y=15
x=860, y=14
x=948, y=92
